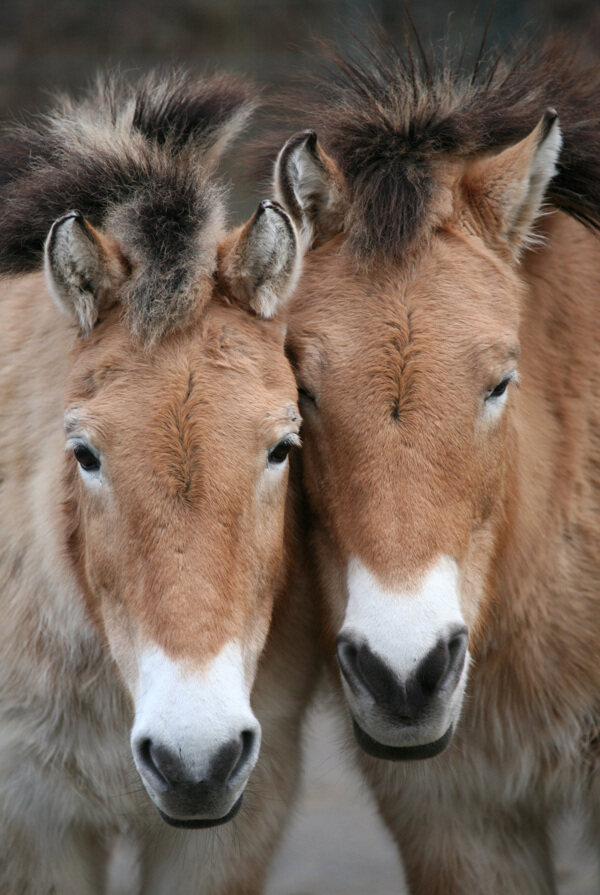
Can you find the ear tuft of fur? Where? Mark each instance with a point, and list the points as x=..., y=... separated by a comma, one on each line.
x=262, y=264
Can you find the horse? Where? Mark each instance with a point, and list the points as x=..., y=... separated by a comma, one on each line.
x=444, y=338
x=153, y=550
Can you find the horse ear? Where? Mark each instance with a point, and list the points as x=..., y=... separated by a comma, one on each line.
x=512, y=184
x=310, y=186
x=260, y=263
x=82, y=267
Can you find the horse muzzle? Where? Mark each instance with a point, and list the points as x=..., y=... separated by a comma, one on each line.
x=195, y=738
x=404, y=718
x=193, y=794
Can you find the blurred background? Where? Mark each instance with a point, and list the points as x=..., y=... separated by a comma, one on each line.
x=45, y=44
x=49, y=45
x=335, y=844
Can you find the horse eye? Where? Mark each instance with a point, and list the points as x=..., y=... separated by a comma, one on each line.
x=86, y=458
x=279, y=453
x=305, y=395
x=499, y=390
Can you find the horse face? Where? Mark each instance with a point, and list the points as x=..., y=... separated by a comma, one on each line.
x=406, y=419
x=407, y=378
x=175, y=474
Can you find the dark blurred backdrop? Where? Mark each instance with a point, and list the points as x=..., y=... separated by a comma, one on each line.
x=46, y=44
x=50, y=44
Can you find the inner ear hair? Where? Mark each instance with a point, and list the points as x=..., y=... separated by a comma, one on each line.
x=83, y=269
x=310, y=187
x=547, y=139
x=512, y=184
x=259, y=264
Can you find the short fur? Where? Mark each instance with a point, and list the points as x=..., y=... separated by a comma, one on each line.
x=186, y=541
x=138, y=160
x=407, y=460
x=391, y=118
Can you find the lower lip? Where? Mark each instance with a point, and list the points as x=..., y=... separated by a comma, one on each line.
x=200, y=824
x=400, y=753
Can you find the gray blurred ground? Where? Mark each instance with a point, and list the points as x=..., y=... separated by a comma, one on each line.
x=336, y=844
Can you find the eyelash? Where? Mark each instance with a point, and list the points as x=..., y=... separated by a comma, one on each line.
x=499, y=390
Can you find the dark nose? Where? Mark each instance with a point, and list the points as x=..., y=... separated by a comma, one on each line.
x=404, y=700
x=171, y=776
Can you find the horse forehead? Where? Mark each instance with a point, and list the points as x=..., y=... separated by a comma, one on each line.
x=419, y=321
x=454, y=274
x=228, y=361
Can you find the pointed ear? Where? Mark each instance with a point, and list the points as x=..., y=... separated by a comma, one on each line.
x=83, y=268
x=512, y=184
x=260, y=263
x=310, y=187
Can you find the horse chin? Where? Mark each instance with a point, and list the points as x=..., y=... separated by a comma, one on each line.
x=199, y=823
x=400, y=753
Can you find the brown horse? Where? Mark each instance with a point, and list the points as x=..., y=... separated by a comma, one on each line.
x=147, y=415
x=445, y=343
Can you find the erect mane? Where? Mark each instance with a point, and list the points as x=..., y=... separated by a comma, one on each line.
x=389, y=118
x=138, y=160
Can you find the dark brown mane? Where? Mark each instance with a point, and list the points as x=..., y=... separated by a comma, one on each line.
x=136, y=159
x=389, y=117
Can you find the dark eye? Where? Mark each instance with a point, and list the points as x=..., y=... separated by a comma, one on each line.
x=86, y=458
x=499, y=390
x=279, y=453
x=305, y=395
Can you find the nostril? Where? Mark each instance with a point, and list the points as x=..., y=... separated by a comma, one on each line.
x=433, y=667
x=369, y=676
x=150, y=759
x=443, y=663
x=457, y=649
x=347, y=653
x=232, y=760
x=458, y=645
x=247, y=739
